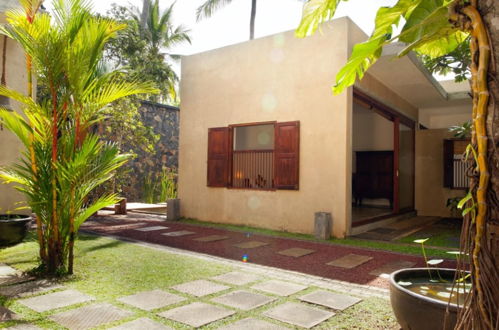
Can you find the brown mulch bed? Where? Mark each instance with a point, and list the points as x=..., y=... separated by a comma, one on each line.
x=314, y=264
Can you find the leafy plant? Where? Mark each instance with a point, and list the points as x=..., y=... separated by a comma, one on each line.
x=63, y=161
x=158, y=190
x=462, y=131
x=141, y=49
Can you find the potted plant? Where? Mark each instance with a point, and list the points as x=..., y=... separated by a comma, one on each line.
x=13, y=228
x=427, y=298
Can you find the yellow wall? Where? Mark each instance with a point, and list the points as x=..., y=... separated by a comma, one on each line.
x=279, y=78
x=10, y=147
x=431, y=196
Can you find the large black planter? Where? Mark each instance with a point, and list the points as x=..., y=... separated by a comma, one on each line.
x=418, y=312
x=13, y=229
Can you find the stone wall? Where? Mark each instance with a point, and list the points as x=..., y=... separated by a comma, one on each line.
x=164, y=120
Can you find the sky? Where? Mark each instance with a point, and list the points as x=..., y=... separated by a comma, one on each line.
x=230, y=24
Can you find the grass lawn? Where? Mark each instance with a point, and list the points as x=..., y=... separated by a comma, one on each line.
x=108, y=269
x=413, y=249
x=445, y=234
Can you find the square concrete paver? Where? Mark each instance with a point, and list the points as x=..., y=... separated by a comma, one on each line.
x=28, y=288
x=279, y=288
x=211, y=238
x=152, y=228
x=7, y=270
x=243, y=300
x=90, y=316
x=296, y=252
x=329, y=299
x=179, y=233
x=197, y=314
x=200, y=288
x=142, y=324
x=150, y=300
x=55, y=300
x=298, y=314
x=250, y=244
x=252, y=324
x=237, y=278
x=350, y=261
x=385, y=270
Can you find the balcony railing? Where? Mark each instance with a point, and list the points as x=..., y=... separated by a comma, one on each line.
x=253, y=169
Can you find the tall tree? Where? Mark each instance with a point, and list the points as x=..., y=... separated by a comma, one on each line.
x=435, y=28
x=143, y=47
x=208, y=8
x=63, y=162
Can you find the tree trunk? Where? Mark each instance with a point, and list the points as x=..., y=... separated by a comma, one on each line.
x=144, y=15
x=482, y=310
x=252, y=19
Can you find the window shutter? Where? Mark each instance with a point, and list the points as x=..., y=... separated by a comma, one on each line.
x=448, y=163
x=287, y=155
x=218, y=156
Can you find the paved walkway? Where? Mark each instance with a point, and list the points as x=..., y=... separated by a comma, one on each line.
x=351, y=264
x=277, y=299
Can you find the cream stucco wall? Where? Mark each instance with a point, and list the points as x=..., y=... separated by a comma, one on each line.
x=431, y=196
x=10, y=147
x=277, y=78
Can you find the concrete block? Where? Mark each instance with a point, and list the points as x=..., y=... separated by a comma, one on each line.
x=323, y=224
x=173, y=209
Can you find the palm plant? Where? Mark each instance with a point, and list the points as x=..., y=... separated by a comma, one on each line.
x=63, y=161
x=156, y=28
x=210, y=6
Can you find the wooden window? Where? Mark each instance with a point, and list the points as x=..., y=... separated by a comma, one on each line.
x=287, y=148
x=254, y=156
x=218, y=156
x=455, y=167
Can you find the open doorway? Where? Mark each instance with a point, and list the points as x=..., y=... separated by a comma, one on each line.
x=382, y=161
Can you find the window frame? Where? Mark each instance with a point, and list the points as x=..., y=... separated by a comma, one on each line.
x=231, y=155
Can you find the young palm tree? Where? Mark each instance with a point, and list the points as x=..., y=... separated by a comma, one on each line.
x=63, y=161
x=210, y=6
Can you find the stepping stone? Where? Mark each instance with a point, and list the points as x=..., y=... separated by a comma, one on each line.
x=200, y=288
x=349, y=261
x=141, y=324
x=6, y=271
x=28, y=288
x=150, y=300
x=7, y=315
x=252, y=324
x=197, y=314
x=296, y=252
x=237, y=278
x=211, y=238
x=298, y=314
x=243, y=300
x=152, y=228
x=25, y=326
x=250, y=244
x=385, y=270
x=90, y=316
x=279, y=288
x=179, y=233
x=329, y=299
x=55, y=300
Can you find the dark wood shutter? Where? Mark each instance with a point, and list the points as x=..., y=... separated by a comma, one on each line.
x=448, y=163
x=218, y=156
x=287, y=155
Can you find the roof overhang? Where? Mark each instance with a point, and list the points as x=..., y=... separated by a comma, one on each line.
x=408, y=78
